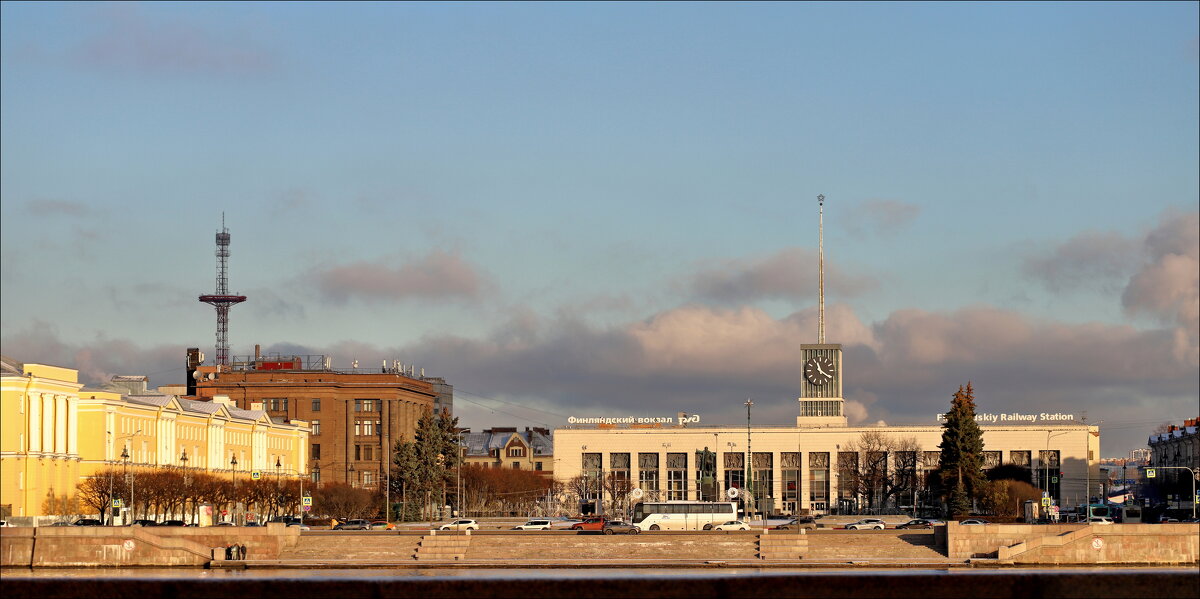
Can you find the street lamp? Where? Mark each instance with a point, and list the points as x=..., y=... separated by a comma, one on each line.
x=233, y=466
x=128, y=478
x=1046, y=467
x=187, y=480
x=750, y=457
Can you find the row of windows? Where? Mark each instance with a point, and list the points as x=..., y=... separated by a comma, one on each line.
x=817, y=460
x=360, y=405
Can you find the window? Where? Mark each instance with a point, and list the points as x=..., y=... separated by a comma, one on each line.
x=618, y=464
x=516, y=465
x=368, y=452
x=735, y=470
x=316, y=475
x=357, y=452
x=818, y=480
x=316, y=405
x=537, y=465
x=516, y=452
x=677, y=476
x=791, y=480
x=764, y=476
x=316, y=451
x=366, y=405
x=648, y=473
x=316, y=427
x=368, y=479
x=277, y=405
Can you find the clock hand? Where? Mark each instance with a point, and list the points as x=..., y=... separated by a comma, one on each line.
x=821, y=370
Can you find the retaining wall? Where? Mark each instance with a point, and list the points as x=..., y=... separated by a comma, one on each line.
x=1076, y=543
x=123, y=546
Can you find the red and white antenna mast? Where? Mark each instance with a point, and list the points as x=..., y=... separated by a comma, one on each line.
x=222, y=300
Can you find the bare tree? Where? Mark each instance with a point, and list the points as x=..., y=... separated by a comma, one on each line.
x=881, y=468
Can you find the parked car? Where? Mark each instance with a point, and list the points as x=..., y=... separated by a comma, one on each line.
x=144, y=523
x=382, y=525
x=353, y=525
x=732, y=525
x=87, y=522
x=226, y=523
x=461, y=524
x=1100, y=520
x=618, y=526
x=534, y=525
x=300, y=525
x=1167, y=520
x=867, y=524
x=803, y=522
x=173, y=523
x=285, y=520
x=974, y=522
x=918, y=523
x=252, y=524
x=594, y=523
x=563, y=523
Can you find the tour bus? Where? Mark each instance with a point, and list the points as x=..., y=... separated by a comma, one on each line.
x=682, y=515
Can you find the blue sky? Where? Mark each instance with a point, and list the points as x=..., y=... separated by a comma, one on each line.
x=571, y=209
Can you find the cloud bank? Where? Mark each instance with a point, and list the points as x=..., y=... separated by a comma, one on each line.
x=439, y=275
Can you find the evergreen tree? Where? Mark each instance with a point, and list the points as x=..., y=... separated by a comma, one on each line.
x=960, y=467
x=424, y=467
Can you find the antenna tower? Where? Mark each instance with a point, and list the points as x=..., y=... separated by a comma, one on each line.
x=222, y=300
x=821, y=269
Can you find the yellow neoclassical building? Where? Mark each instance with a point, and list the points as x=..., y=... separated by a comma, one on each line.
x=54, y=434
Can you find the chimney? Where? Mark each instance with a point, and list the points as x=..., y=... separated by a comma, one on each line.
x=257, y=351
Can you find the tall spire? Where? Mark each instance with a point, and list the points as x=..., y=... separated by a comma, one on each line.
x=821, y=268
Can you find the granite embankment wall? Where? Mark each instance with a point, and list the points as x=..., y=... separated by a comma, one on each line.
x=79, y=546
x=1076, y=543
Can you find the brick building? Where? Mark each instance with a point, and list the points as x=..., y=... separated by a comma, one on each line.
x=355, y=415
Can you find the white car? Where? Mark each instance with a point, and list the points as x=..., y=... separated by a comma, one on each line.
x=534, y=525
x=974, y=522
x=1100, y=520
x=732, y=525
x=867, y=524
x=461, y=525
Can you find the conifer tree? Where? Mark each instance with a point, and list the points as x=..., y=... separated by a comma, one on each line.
x=960, y=467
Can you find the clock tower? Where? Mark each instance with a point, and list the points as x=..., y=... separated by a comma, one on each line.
x=821, y=401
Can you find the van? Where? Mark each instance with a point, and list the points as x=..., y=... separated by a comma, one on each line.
x=534, y=525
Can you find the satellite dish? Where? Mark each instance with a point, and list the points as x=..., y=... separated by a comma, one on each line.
x=637, y=493
x=197, y=374
x=212, y=376
x=732, y=493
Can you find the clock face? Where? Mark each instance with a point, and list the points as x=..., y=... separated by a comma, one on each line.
x=819, y=370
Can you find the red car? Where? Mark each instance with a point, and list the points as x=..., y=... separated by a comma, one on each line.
x=595, y=523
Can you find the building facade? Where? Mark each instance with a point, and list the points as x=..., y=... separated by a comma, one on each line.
x=820, y=465
x=500, y=447
x=814, y=470
x=355, y=416
x=55, y=433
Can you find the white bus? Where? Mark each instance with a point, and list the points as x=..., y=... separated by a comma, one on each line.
x=682, y=515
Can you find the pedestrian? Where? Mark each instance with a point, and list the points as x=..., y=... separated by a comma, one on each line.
x=333, y=523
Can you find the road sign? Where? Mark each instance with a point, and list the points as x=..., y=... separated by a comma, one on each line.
x=307, y=501
x=255, y=475
x=1149, y=473
x=306, y=508
x=116, y=502
x=1045, y=493
x=1054, y=479
x=1045, y=502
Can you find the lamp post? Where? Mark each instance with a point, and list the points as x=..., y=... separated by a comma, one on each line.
x=128, y=477
x=1046, y=467
x=233, y=466
x=750, y=456
x=187, y=480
